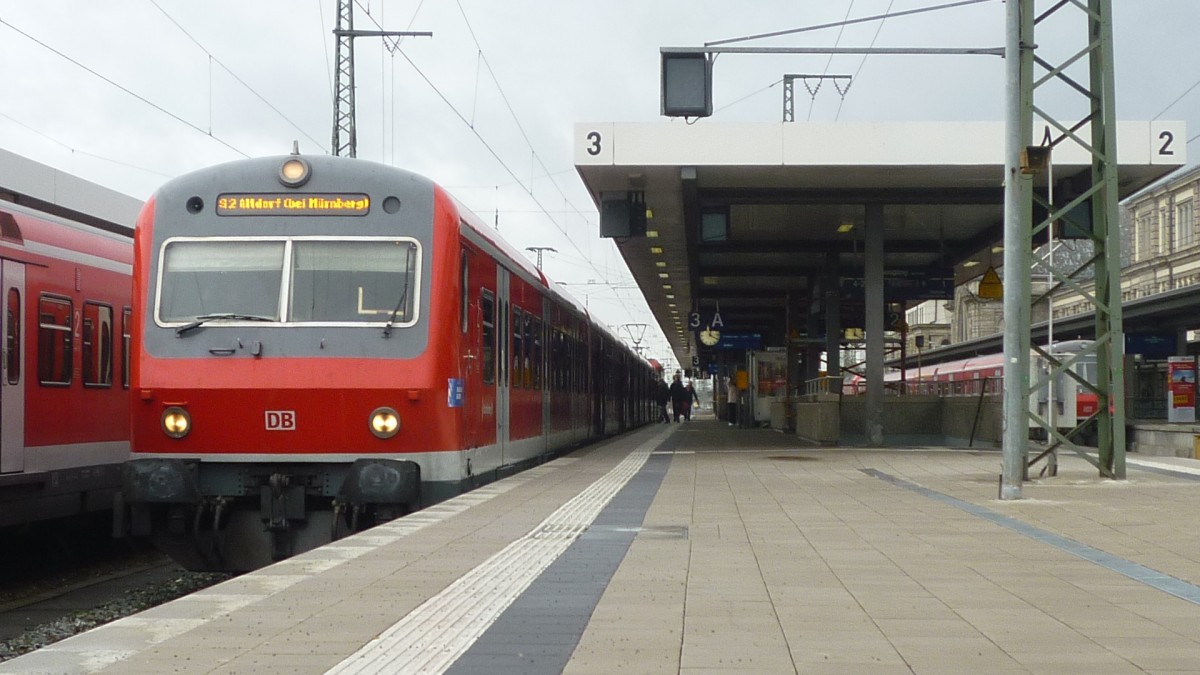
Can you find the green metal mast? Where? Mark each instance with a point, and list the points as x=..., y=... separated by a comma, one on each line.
x=1097, y=191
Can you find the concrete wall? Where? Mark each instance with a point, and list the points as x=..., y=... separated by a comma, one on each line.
x=826, y=419
x=1163, y=440
x=986, y=416
x=817, y=419
x=907, y=420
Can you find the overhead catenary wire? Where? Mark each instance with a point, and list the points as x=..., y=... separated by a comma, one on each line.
x=123, y=88
x=877, y=17
x=77, y=151
x=863, y=62
x=828, y=62
x=234, y=75
x=492, y=151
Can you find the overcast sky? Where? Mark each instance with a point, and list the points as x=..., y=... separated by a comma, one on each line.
x=140, y=91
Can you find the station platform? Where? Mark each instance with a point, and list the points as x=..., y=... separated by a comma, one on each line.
x=699, y=548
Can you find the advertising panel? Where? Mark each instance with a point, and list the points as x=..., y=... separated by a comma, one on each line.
x=1181, y=389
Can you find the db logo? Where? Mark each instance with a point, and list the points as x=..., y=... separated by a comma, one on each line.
x=281, y=420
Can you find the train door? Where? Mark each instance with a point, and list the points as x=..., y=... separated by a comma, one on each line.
x=543, y=328
x=472, y=318
x=12, y=391
x=503, y=335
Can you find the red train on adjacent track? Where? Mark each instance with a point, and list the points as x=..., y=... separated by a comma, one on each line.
x=324, y=343
x=64, y=399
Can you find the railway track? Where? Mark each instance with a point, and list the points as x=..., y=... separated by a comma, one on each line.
x=41, y=604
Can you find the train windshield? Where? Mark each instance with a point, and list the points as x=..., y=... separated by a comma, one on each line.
x=368, y=281
x=202, y=278
x=353, y=281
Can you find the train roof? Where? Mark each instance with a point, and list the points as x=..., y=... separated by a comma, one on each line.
x=48, y=190
x=517, y=262
x=483, y=231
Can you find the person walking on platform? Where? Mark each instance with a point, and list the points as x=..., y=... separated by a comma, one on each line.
x=664, y=397
x=692, y=399
x=731, y=400
x=679, y=396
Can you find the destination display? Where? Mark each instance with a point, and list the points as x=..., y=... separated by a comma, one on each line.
x=902, y=285
x=291, y=204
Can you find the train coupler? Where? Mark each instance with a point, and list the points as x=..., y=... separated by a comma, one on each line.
x=280, y=503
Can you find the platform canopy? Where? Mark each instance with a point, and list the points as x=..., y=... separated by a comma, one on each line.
x=748, y=216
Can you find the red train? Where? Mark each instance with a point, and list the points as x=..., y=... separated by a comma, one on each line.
x=1074, y=402
x=321, y=344
x=64, y=376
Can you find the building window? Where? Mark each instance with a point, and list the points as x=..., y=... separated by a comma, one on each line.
x=1185, y=224
x=1147, y=235
x=54, y=340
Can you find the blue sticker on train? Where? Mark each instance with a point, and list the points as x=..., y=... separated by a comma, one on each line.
x=454, y=392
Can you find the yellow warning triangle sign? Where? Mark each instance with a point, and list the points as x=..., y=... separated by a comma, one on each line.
x=990, y=287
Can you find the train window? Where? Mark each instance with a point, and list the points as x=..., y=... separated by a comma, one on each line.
x=354, y=281
x=54, y=340
x=126, y=341
x=97, y=345
x=537, y=354
x=516, y=346
x=12, y=337
x=555, y=360
x=201, y=278
x=502, y=342
x=527, y=362
x=487, y=307
x=464, y=294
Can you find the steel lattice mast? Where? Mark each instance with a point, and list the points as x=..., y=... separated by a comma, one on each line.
x=345, y=137
x=1099, y=193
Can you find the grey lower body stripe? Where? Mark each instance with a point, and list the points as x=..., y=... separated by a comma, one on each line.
x=1153, y=578
x=539, y=631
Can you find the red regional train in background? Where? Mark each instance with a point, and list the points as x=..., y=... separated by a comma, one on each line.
x=64, y=366
x=1074, y=403
x=321, y=344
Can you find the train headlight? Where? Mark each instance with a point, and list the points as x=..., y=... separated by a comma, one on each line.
x=384, y=422
x=176, y=422
x=294, y=172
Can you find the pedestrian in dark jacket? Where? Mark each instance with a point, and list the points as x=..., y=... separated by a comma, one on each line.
x=664, y=397
x=680, y=397
x=693, y=399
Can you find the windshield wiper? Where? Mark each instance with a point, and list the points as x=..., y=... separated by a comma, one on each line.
x=401, y=303
x=387, y=328
x=201, y=320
